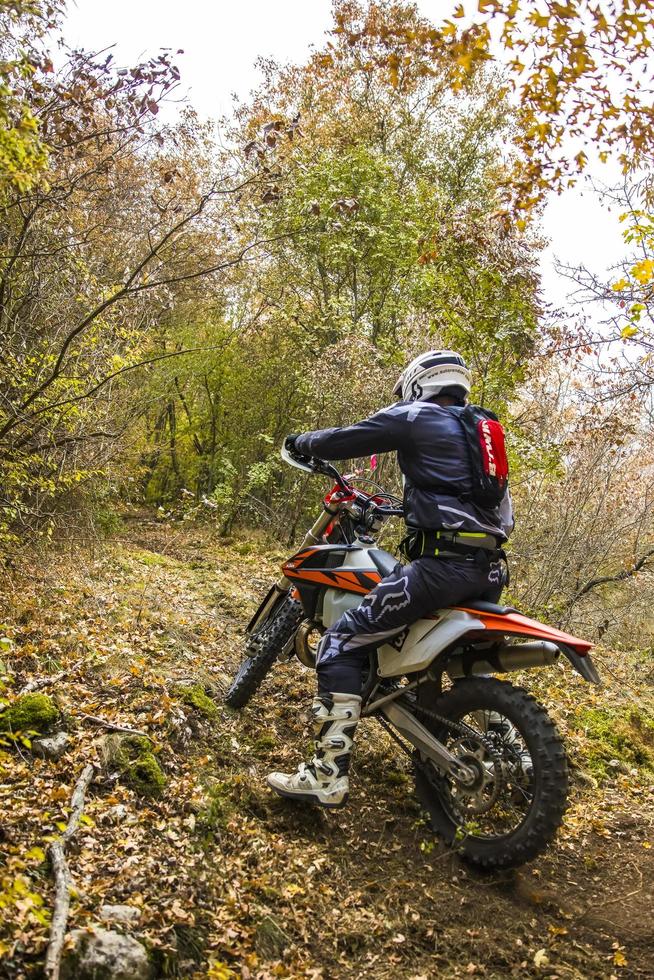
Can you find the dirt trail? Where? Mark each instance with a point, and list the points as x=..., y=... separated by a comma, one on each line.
x=232, y=882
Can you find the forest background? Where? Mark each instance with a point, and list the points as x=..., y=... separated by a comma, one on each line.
x=176, y=295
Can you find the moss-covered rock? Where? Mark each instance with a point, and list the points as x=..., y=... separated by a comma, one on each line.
x=132, y=755
x=195, y=696
x=34, y=712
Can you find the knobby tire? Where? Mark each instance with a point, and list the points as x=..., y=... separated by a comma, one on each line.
x=550, y=764
x=264, y=647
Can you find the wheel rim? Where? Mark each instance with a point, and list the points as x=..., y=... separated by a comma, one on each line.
x=499, y=798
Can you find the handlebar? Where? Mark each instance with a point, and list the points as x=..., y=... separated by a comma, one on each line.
x=325, y=468
x=390, y=511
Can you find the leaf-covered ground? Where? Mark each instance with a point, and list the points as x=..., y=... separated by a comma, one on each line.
x=233, y=882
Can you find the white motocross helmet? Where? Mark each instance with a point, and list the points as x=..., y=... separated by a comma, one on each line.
x=428, y=374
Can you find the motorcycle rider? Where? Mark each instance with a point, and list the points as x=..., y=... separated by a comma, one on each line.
x=453, y=546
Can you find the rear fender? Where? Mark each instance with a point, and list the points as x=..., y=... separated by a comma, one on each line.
x=583, y=665
x=515, y=624
x=416, y=648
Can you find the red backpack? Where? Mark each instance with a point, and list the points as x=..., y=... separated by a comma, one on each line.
x=490, y=466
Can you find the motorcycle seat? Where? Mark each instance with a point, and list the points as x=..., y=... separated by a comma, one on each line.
x=384, y=562
x=480, y=605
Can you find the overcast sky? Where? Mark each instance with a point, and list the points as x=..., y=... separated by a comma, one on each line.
x=222, y=40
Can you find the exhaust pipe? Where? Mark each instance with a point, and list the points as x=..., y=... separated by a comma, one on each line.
x=509, y=657
x=304, y=649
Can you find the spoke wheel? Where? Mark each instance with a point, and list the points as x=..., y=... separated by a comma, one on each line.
x=263, y=649
x=513, y=801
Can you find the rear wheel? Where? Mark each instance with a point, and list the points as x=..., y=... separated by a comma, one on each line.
x=517, y=793
x=263, y=648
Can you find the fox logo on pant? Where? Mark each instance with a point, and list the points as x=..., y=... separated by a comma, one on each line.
x=398, y=599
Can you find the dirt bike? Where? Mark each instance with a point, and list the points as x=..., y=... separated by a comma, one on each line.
x=489, y=765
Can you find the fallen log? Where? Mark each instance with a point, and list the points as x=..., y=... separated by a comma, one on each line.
x=62, y=876
x=109, y=725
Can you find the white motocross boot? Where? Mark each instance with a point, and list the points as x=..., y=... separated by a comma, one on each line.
x=324, y=780
x=511, y=738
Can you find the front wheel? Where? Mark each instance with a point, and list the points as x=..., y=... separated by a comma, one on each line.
x=263, y=648
x=517, y=792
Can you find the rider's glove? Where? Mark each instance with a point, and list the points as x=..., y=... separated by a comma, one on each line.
x=289, y=442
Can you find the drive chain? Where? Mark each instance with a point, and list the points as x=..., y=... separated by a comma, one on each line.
x=464, y=731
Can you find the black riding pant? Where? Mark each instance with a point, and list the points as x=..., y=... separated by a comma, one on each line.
x=409, y=593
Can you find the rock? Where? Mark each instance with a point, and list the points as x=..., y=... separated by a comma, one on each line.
x=124, y=914
x=100, y=954
x=116, y=814
x=52, y=747
x=34, y=712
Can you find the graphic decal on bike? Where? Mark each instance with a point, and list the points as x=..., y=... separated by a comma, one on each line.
x=398, y=641
x=357, y=580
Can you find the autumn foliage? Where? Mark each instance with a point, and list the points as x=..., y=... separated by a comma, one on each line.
x=175, y=297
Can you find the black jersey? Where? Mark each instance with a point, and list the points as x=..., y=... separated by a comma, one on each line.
x=433, y=456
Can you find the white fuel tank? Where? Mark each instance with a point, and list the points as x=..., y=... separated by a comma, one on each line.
x=336, y=601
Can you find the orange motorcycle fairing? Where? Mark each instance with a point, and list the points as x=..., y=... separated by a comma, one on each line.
x=515, y=624
x=316, y=566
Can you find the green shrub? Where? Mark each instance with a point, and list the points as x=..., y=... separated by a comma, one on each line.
x=622, y=735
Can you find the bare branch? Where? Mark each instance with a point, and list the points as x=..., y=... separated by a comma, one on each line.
x=63, y=881
x=618, y=577
x=129, y=289
x=109, y=725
